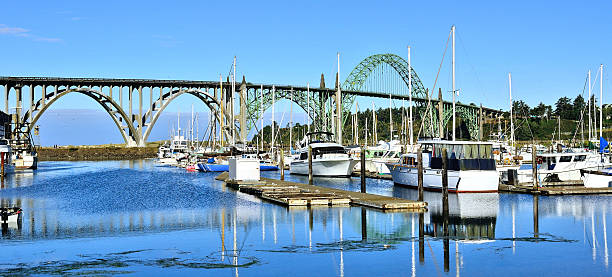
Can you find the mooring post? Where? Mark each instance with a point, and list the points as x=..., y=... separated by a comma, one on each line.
x=536, y=219
x=420, y=172
x=445, y=177
x=2, y=166
x=363, y=171
x=364, y=225
x=421, y=238
x=310, y=165
x=282, y=165
x=534, y=166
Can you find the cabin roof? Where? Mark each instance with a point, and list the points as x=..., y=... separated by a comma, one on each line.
x=457, y=142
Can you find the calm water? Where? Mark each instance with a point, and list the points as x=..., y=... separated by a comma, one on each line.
x=134, y=217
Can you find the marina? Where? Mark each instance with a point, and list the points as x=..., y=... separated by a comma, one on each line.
x=305, y=139
x=183, y=223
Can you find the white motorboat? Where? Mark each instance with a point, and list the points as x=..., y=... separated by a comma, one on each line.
x=597, y=178
x=329, y=159
x=564, y=166
x=471, y=167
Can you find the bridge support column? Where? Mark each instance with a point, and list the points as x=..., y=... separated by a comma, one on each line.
x=7, y=90
x=17, y=104
x=130, y=114
x=110, y=92
x=32, y=89
x=120, y=96
x=43, y=95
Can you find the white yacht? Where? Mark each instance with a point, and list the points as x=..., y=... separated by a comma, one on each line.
x=329, y=159
x=378, y=156
x=471, y=167
x=563, y=166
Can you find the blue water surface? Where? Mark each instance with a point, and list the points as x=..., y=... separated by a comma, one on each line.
x=139, y=218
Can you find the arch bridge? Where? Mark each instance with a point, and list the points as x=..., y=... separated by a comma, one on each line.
x=136, y=116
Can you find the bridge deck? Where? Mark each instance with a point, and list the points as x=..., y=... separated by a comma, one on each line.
x=60, y=81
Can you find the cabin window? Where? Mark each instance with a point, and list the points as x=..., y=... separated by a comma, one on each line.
x=565, y=159
x=580, y=158
x=409, y=161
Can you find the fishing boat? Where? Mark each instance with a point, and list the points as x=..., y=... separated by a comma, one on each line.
x=471, y=167
x=329, y=159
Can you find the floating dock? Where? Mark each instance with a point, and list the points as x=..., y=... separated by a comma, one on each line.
x=558, y=189
x=297, y=194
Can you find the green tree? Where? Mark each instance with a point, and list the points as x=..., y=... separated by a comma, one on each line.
x=563, y=108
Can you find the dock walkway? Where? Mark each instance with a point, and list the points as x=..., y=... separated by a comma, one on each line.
x=554, y=190
x=297, y=194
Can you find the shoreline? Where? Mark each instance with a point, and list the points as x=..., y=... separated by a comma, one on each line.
x=95, y=153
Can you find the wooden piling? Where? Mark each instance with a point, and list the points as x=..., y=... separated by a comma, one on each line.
x=363, y=171
x=536, y=219
x=420, y=172
x=445, y=176
x=2, y=166
x=534, y=166
x=364, y=225
x=310, y=165
x=282, y=165
x=445, y=214
x=421, y=238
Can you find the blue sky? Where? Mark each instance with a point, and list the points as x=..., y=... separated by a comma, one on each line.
x=547, y=45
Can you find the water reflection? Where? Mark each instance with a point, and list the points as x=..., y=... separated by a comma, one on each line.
x=136, y=211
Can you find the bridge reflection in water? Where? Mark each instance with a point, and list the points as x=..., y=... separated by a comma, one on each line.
x=241, y=228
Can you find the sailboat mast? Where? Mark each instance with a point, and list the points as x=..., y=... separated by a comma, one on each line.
x=589, y=108
x=291, y=121
x=410, y=97
x=308, y=105
x=222, y=118
x=601, y=100
x=390, y=118
x=454, y=91
x=233, y=124
x=339, y=106
x=272, y=138
x=261, y=115
x=511, y=111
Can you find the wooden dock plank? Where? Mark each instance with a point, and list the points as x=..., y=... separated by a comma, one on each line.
x=296, y=194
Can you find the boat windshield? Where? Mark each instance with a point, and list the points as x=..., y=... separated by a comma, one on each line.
x=462, y=156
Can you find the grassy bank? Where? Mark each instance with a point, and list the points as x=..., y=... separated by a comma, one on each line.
x=97, y=152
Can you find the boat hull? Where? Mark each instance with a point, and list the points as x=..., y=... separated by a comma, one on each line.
x=458, y=181
x=325, y=167
x=596, y=179
x=213, y=167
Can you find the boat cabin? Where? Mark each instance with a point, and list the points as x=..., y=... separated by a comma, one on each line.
x=462, y=155
x=322, y=145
